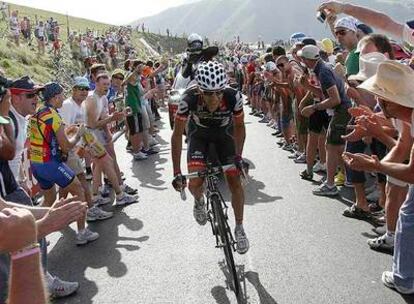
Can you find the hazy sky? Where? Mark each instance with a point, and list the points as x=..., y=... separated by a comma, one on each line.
x=114, y=12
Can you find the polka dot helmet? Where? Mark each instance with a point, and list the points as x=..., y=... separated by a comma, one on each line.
x=211, y=76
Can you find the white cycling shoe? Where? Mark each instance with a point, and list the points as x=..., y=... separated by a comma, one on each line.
x=242, y=245
x=200, y=212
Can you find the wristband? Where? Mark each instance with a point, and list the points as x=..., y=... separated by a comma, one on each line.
x=178, y=172
x=25, y=252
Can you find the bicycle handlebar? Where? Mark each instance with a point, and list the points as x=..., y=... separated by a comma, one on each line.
x=209, y=171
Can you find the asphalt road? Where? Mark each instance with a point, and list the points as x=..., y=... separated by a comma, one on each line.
x=302, y=251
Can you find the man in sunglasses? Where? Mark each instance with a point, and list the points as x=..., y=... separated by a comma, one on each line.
x=214, y=113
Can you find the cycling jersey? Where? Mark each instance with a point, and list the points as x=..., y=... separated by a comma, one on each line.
x=210, y=129
x=43, y=127
x=193, y=107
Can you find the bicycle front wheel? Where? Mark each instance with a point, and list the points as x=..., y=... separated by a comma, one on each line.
x=223, y=232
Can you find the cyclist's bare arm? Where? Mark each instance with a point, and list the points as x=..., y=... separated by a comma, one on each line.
x=177, y=142
x=239, y=133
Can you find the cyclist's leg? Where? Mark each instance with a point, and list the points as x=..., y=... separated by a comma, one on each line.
x=237, y=195
x=196, y=159
x=226, y=152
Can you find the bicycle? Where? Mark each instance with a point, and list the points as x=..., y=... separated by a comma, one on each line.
x=217, y=216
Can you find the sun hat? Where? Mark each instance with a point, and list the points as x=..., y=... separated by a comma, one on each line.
x=346, y=23
x=393, y=83
x=81, y=82
x=50, y=90
x=368, y=65
x=327, y=45
x=309, y=52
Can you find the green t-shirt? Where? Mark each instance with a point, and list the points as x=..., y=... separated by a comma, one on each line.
x=352, y=63
x=133, y=97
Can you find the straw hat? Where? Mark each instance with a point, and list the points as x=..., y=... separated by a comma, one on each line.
x=393, y=82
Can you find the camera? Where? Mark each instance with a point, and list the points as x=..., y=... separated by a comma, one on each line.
x=321, y=17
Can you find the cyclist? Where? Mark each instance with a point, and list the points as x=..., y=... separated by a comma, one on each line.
x=214, y=112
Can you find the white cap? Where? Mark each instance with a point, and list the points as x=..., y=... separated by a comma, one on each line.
x=368, y=65
x=309, y=52
x=348, y=23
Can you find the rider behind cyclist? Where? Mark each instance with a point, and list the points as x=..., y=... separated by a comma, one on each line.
x=215, y=115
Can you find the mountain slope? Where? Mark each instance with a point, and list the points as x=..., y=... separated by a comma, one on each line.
x=223, y=19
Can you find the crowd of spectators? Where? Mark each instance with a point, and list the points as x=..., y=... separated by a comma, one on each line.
x=343, y=107
x=70, y=143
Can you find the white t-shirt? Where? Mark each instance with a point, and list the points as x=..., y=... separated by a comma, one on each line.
x=22, y=123
x=71, y=112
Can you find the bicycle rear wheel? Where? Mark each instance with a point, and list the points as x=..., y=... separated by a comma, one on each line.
x=223, y=232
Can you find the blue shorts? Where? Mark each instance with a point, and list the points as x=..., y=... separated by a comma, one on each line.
x=51, y=173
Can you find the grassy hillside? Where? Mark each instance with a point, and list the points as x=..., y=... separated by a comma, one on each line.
x=22, y=60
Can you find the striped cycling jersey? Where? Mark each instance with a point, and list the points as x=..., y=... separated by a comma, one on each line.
x=193, y=107
x=43, y=127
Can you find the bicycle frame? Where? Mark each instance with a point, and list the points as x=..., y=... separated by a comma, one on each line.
x=211, y=192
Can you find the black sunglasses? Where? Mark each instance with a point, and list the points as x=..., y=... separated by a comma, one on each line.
x=207, y=93
x=118, y=77
x=341, y=32
x=82, y=89
x=280, y=65
x=31, y=95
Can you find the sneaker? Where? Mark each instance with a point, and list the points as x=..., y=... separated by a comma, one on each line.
x=319, y=167
x=383, y=243
x=97, y=214
x=150, y=151
x=288, y=147
x=276, y=133
x=294, y=155
x=301, y=159
x=106, y=190
x=388, y=280
x=200, y=212
x=128, y=190
x=242, y=243
x=84, y=236
x=339, y=179
x=140, y=156
x=271, y=123
x=59, y=289
x=264, y=120
x=253, y=112
x=375, y=208
x=258, y=114
x=281, y=142
x=325, y=190
x=306, y=175
x=357, y=213
x=99, y=200
x=380, y=230
x=126, y=199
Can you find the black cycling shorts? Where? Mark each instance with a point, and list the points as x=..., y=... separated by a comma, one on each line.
x=200, y=141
